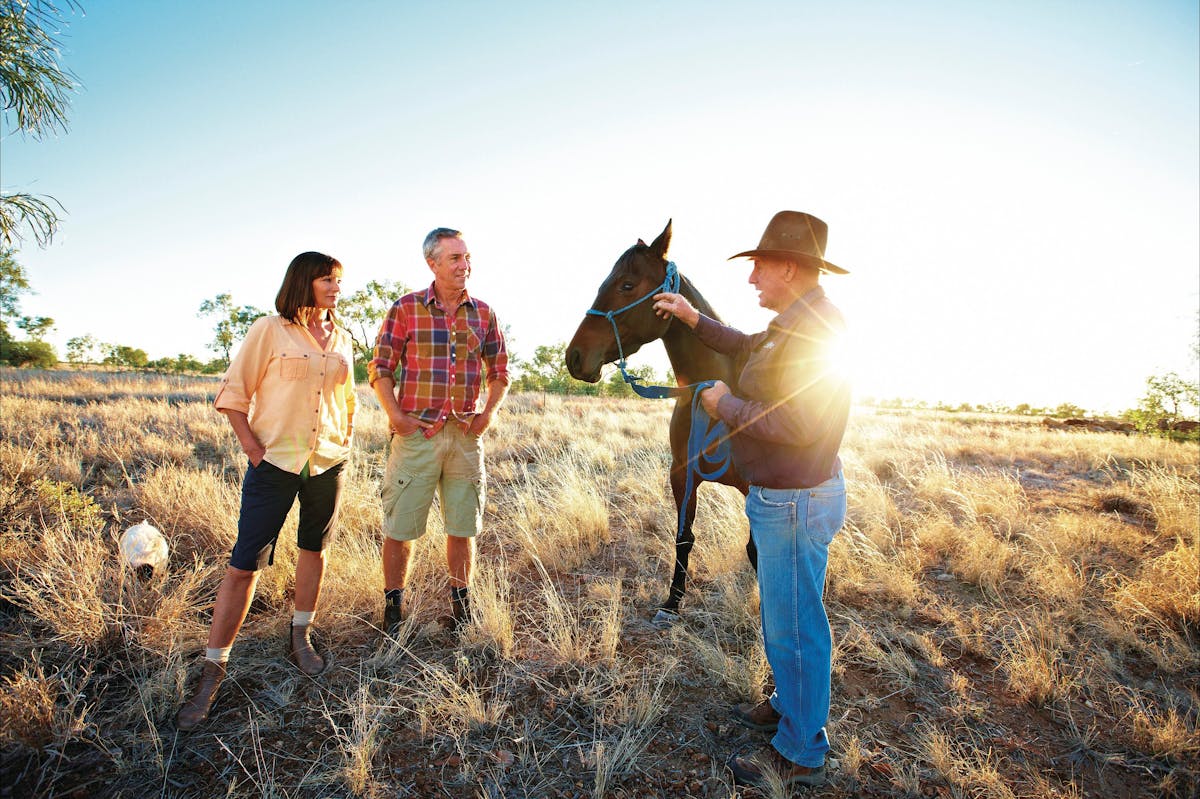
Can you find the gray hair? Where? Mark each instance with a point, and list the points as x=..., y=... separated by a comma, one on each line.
x=435, y=237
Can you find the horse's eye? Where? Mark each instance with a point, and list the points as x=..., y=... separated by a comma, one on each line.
x=626, y=286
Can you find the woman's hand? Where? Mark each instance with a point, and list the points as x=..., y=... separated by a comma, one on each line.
x=667, y=305
x=255, y=453
x=245, y=436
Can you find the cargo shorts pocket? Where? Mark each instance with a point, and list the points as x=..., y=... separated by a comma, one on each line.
x=463, y=506
x=392, y=490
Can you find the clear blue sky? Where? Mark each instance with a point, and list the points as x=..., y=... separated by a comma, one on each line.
x=1014, y=186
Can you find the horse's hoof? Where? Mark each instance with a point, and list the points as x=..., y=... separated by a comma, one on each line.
x=664, y=619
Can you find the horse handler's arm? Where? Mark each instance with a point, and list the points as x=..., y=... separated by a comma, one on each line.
x=667, y=305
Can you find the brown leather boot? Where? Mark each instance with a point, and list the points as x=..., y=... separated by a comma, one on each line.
x=762, y=717
x=303, y=654
x=195, y=710
x=753, y=770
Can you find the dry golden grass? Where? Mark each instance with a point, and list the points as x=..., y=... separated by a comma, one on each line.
x=997, y=584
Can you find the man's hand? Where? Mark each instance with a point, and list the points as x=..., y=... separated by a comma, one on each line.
x=405, y=425
x=667, y=305
x=710, y=396
x=480, y=422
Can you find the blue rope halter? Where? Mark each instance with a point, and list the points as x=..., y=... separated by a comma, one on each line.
x=709, y=453
x=670, y=284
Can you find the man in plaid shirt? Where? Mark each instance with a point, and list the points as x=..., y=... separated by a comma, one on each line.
x=431, y=356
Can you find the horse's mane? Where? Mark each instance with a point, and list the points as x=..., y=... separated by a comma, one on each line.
x=697, y=299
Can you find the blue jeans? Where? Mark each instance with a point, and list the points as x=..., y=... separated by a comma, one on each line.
x=792, y=529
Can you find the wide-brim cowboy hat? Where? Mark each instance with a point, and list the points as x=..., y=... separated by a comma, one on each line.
x=796, y=235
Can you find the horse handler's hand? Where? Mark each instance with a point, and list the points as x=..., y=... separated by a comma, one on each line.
x=667, y=305
x=710, y=396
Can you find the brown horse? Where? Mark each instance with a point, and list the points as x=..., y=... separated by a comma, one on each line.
x=640, y=272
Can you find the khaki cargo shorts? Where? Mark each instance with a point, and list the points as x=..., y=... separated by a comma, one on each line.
x=452, y=464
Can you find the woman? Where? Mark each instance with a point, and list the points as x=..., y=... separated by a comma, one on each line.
x=298, y=370
x=787, y=417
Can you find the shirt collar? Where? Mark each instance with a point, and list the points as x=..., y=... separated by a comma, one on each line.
x=800, y=308
x=431, y=297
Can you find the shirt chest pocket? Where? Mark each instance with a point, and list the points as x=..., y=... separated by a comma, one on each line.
x=293, y=366
x=474, y=339
x=336, y=370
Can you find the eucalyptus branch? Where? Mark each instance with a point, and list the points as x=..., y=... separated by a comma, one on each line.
x=26, y=209
x=34, y=85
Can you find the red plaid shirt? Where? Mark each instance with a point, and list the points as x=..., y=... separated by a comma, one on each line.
x=441, y=359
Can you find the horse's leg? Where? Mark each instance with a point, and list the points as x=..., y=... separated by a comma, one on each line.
x=683, y=545
x=751, y=549
x=752, y=553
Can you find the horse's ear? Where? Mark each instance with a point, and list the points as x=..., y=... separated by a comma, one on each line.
x=641, y=242
x=660, y=245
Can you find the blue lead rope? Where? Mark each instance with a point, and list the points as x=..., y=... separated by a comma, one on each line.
x=709, y=453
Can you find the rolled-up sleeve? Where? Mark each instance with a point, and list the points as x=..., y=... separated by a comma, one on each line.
x=495, y=352
x=351, y=398
x=389, y=345
x=246, y=371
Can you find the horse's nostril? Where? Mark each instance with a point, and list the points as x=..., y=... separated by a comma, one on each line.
x=573, y=359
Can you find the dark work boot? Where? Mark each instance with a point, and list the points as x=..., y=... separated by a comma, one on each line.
x=195, y=710
x=303, y=654
x=393, y=612
x=460, y=609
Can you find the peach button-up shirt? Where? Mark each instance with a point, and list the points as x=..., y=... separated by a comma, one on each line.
x=299, y=398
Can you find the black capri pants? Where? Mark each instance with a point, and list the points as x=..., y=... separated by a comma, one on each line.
x=267, y=495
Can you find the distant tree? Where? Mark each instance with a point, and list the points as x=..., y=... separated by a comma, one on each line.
x=1165, y=402
x=81, y=349
x=36, y=354
x=34, y=95
x=36, y=327
x=121, y=355
x=186, y=363
x=616, y=386
x=363, y=312
x=180, y=364
x=214, y=367
x=232, y=322
x=1068, y=409
x=14, y=283
x=547, y=371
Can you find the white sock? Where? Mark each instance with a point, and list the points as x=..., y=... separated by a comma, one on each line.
x=217, y=654
x=302, y=618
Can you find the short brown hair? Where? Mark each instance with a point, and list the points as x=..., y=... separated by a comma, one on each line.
x=296, y=291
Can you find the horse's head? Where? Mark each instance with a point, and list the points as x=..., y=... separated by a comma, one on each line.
x=636, y=274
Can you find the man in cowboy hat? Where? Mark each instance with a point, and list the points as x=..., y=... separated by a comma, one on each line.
x=787, y=422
